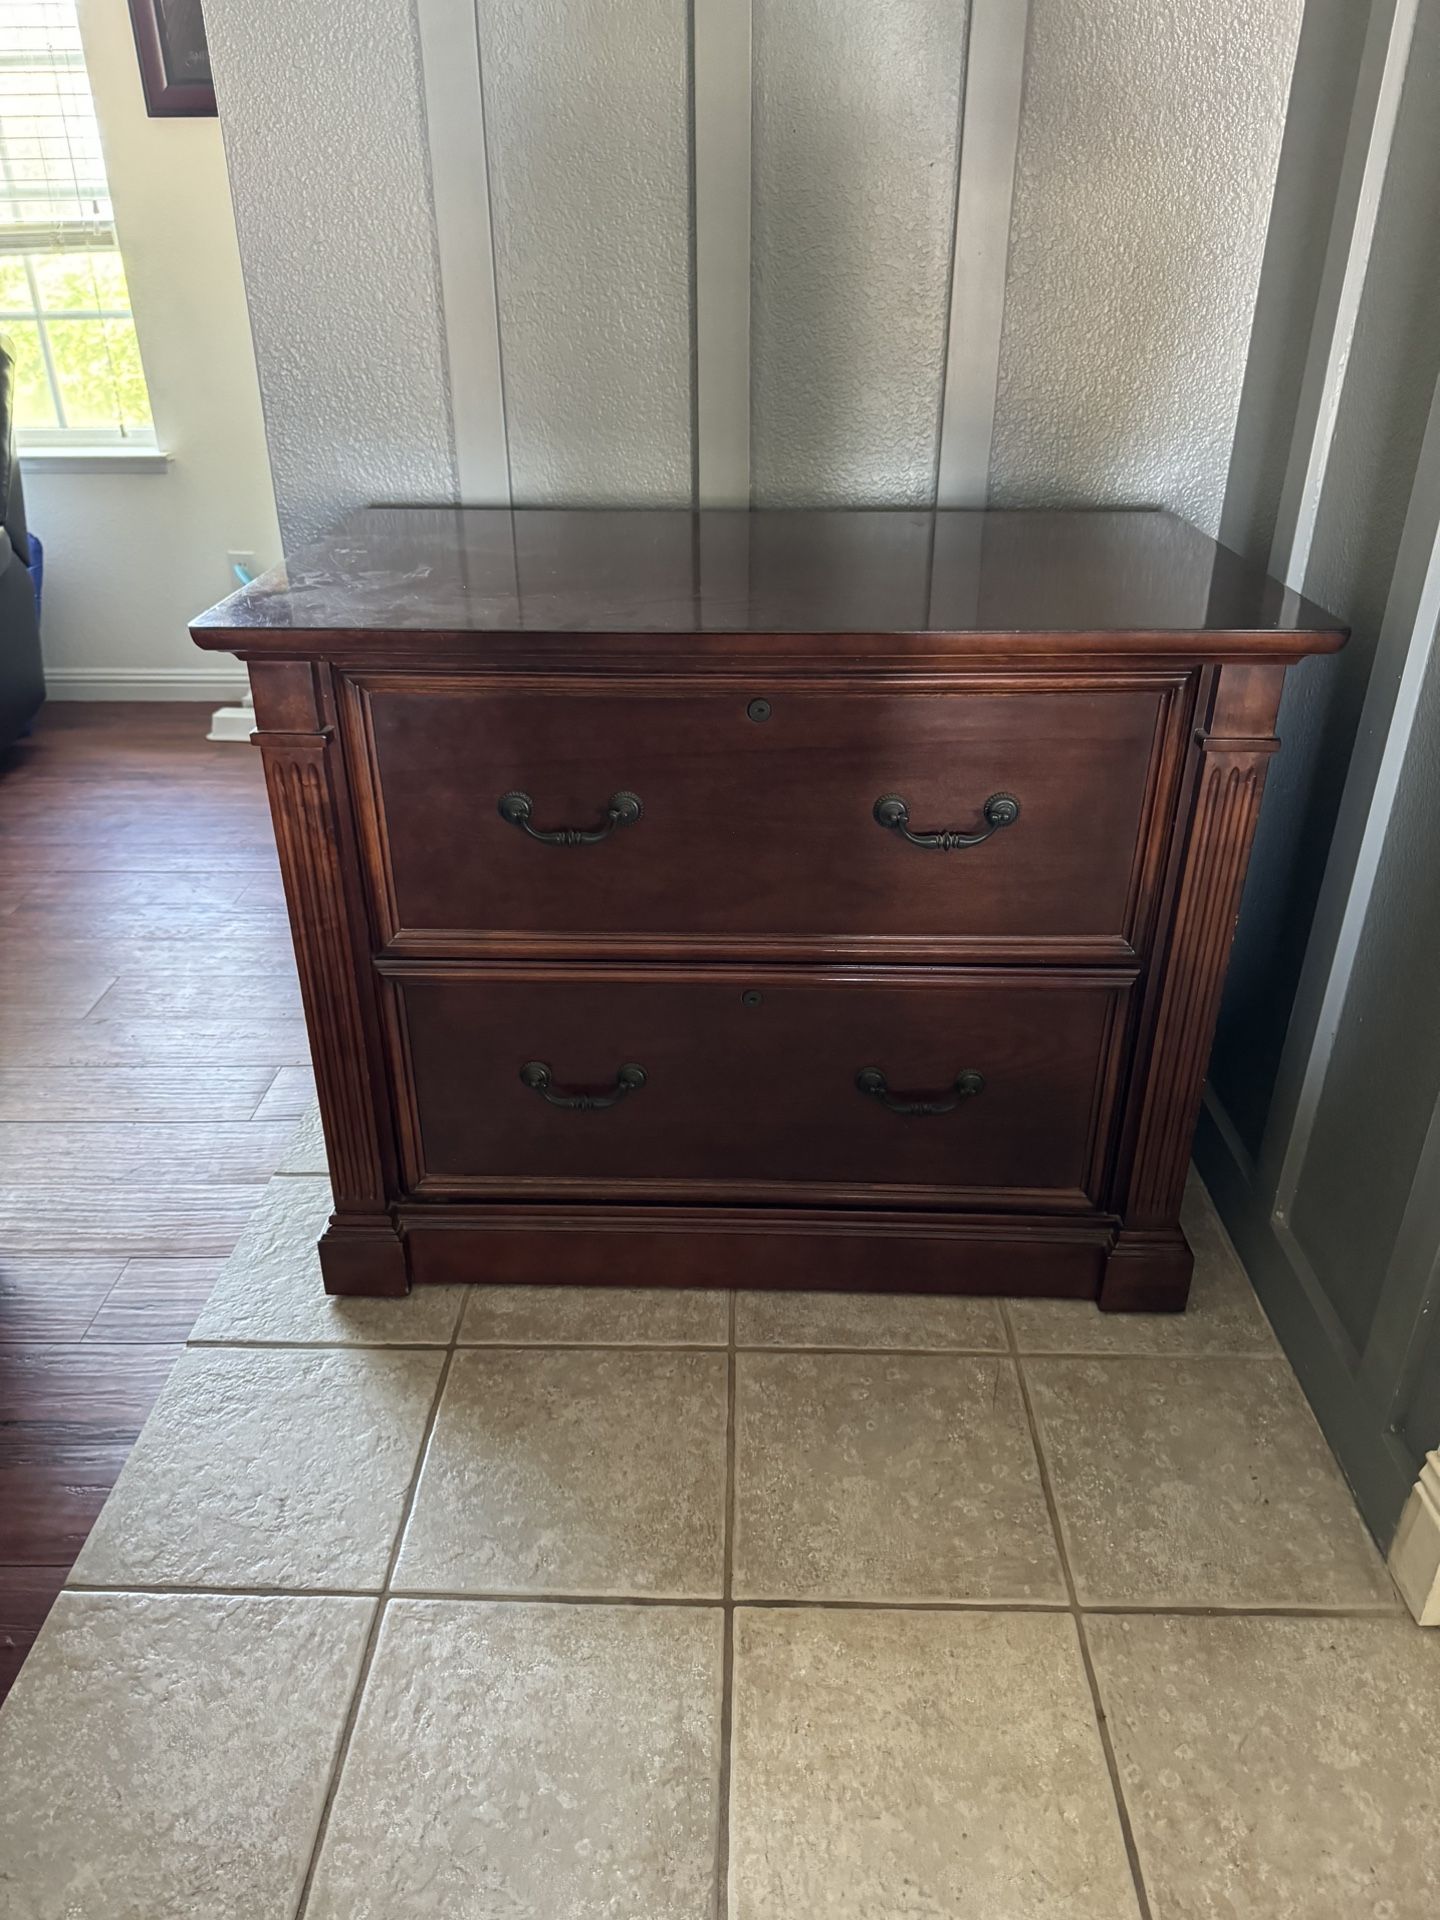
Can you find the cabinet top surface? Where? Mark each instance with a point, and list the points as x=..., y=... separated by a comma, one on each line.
x=460, y=570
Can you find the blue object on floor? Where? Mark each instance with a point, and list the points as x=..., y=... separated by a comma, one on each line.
x=37, y=567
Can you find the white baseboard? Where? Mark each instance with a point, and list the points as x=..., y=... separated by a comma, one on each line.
x=1415, y=1556
x=233, y=723
x=217, y=685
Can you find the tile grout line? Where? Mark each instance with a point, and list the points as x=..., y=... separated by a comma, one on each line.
x=773, y=1603
x=524, y=1598
x=717, y=1346
x=1097, y=1705
x=727, y=1627
x=372, y=1639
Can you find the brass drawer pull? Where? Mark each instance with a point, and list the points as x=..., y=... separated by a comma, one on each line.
x=623, y=810
x=871, y=1081
x=1000, y=810
x=537, y=1076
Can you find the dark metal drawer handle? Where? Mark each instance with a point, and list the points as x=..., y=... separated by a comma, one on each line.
x=1000, y=810
x=537, y=1076
x=624, y=810
x=872, y=1081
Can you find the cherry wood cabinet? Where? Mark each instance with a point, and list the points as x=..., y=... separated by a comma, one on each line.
x=813, y=899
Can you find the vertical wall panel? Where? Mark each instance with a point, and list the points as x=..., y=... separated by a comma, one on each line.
x=857, y=108
x=1393, y=366
x=587, y=124
x=326, y=148
x=1383, y=1078
x=1148, y=146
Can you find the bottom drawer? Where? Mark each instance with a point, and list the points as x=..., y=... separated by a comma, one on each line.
x=978, y=1088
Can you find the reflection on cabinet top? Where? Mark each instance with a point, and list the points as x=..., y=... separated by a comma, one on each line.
x=1138, y=582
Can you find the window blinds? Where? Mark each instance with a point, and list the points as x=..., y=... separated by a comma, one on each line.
x=53, y=193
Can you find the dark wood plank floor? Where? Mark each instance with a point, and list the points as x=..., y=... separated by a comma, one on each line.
x=152, y=1059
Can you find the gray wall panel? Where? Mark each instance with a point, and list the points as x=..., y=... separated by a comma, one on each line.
x=586, y=111
x=1383, y=1080
x=326, y=146
x=1148, y=147
x=1394, y=361
x=1322, y=99
x=857, y=108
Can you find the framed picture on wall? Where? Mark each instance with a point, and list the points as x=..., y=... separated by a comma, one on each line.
x=174, y=59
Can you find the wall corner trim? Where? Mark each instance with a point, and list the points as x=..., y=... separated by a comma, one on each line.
x=721, y=63
x=984, y=192
x=1383, y=66
x=1415, y=1554
x=460, y=184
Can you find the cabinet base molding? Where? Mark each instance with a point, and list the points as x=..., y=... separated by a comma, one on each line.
x=601, y=1246
x=1415, y=1554
x=1147, y=1273
x=364, y=1258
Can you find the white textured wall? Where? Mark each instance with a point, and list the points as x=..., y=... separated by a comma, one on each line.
x=856, y=122
x=1148, y=146
x=131, y=557
x=587, y=130
x=326, y=143
x=1147, y=161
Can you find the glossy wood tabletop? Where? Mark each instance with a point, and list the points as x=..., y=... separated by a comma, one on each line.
x=551, y=571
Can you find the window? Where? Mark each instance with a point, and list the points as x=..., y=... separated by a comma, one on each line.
x=63, y=299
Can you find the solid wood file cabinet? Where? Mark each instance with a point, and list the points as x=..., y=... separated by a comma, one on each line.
x=803, y=899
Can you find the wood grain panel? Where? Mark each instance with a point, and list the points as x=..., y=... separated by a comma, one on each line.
x=156, y=1154
x=52, y=1297
x=65, y=1094
x=300, y=778
x=734, y=807
x=751, y=1088
x=125, y=818
x=26, y=1596
x=51, y=1496
x=290, y=1094
x=110, y=1217
x=156, y=992
x=200, y=1045
x=82, y=1395
x=870, y=1251
x=155, y=1301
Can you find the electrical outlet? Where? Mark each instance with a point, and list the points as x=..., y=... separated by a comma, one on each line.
x=243, y=567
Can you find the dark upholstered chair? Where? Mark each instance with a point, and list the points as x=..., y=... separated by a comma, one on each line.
x=22, y=680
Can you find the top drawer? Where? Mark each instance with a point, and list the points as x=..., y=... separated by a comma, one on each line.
x=605, y=817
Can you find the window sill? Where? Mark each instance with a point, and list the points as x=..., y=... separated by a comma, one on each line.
x=93, y=459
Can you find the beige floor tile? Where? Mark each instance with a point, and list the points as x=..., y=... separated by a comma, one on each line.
x=935, y=1764
x=933, y=1322
x=270, y=1290
x=573, y=1471
x=1223, y=1315
x=306, y=1151
x=1199, y=1483
x=887, y=1477
x=262, y=1467
x=1278, y=1769
x=167, y=1757
x=604, y=1316
x=560, y=1762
